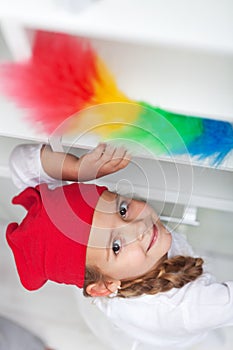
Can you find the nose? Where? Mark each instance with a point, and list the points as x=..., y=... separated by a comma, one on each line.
x=135, y=231
x=139, y=232
x=140, y=236
x=133, y=235
x=145, y=228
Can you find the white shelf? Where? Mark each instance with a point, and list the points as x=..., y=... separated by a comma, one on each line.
x=196, y=24
x=158, y=181
x=14, y=125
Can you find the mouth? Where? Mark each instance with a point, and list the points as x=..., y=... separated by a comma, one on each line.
x=154, y=237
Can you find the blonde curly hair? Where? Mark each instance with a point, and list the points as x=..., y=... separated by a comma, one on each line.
x=169, y=273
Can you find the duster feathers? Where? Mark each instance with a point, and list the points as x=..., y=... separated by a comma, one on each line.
x=64, y=76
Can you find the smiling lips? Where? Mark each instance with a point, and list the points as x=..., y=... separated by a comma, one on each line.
x=153, y=237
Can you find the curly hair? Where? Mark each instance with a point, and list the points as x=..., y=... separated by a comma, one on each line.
x=169, y=273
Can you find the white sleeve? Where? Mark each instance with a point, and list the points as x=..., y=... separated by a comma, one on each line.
x=26, y=169
x=180, y=245
x=209, y=307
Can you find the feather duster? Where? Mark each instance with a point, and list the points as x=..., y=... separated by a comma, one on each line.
x=65, y=77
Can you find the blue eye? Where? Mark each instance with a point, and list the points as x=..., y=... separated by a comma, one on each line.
x=123, y=209
x=116, y=246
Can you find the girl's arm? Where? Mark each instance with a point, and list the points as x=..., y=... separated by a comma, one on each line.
x=31, y=164
x=103, y=160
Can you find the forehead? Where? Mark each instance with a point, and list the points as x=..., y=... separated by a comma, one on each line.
x=103, y=220
x=107, y=203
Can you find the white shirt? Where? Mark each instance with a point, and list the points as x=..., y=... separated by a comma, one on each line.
x=178, y=318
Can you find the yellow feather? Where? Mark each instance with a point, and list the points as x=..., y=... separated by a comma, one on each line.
x=109, y=110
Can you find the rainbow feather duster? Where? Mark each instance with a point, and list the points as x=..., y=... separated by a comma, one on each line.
x=65, y=77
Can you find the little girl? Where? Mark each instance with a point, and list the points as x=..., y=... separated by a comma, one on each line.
x=109, y=245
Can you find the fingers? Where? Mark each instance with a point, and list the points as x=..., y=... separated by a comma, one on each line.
x=98, y=151
x=113, y=154
x=124, y=161
x=120, y=158
x=113, y=159
x=105, y=159
x=110, y=158
x=107, y=152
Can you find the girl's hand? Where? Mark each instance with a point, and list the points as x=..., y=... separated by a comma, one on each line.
x=105, y=159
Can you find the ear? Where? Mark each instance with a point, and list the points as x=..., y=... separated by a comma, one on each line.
x=100, y=289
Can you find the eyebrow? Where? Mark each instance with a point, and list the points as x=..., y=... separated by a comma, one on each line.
x=117, y=202
x=108, y=248
x=109, y=245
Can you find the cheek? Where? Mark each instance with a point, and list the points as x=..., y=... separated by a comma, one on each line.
x=94, y=257
x=163, y=247
x=133, y=261
x=141, y=210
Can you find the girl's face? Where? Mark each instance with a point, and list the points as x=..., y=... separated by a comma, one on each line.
x=127, y=238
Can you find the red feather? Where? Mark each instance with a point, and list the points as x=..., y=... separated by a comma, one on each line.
x=57, y=80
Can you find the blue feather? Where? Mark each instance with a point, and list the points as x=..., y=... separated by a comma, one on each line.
x=216, y=141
